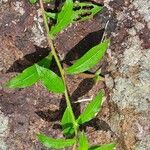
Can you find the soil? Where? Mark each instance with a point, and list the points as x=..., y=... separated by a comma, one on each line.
x=26, y=112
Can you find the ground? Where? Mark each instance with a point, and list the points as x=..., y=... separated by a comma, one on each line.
x=124, y=117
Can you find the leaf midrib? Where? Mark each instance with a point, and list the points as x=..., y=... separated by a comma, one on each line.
x=22, y=80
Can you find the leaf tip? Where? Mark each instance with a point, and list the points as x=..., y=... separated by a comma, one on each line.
x=8, y=84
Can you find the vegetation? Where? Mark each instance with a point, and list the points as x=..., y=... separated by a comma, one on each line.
x=70, y=12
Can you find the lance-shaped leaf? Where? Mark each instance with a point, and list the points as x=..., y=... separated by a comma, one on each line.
x=84, y=11
x=51, y=80
x=55, y=143
x=30, y=75
x=64, y=18
x=67, y=122
x=27, y=78
x=90, y=59
x=110, y=146
x=83, y=142
x=91, y=109
x=70, y=13
x=35, y=73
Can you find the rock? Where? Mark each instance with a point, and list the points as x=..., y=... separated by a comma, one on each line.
x=131, y=91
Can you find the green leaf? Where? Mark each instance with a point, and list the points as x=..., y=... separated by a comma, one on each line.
x=46, y=62
x=32, y=1
x=30, y=75
x=55, y=143
x=92, y=109
x=37, y=72
x=64, y=18
x=110, y=146
x=83, y=142
x=69, y=14
x=27, y=78
x=81, y=14
x=84, y=11
x=90, y=59
x=67, y=122
x=51, y=81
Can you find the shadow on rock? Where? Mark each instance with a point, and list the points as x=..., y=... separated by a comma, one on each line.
x=49, y=115
x=97, y=124
x=29, y=59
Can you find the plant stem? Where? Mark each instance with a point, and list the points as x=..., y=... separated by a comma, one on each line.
x=51, y=45
x=74, y=147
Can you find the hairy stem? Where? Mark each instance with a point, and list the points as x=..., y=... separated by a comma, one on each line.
x=51, y=45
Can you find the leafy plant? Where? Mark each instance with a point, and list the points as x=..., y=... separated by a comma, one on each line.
x=70, y=12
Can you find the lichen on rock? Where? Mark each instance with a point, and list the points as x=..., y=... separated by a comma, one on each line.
x=4, y=129
x=129, y=67
x=132, y=90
